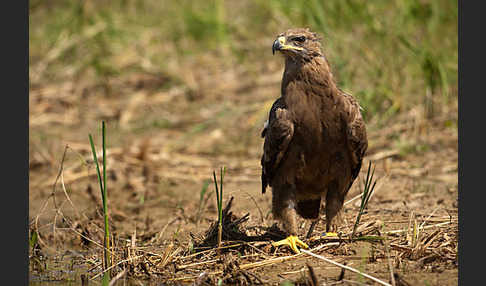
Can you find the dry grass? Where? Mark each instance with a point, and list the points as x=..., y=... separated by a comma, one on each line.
x=158, y=235
x=429, y=239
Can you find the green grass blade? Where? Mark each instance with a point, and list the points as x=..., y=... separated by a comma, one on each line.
x=104, y=164
x=105, y=200
x=102, y=182
x=95, y=158
x=106, y=279
x=220, y=208
x=33, y=239
x=217, y=191
x=369, y=186
x=370, y=189
x=219, y=198
x=222, y=171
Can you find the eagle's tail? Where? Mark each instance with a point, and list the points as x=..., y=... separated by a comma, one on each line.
x=309, y=209
x=264, y=183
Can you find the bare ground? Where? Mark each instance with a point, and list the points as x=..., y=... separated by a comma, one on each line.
x=164, y=142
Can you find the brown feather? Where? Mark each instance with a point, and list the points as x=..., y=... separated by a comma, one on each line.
x=315, y=139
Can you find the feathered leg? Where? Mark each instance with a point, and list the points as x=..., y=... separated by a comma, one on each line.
x=334, y=204
x=283, y=210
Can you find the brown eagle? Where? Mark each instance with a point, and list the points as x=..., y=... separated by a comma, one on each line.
x=315, y=138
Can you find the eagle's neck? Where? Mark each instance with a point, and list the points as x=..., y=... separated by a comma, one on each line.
x=315, y=72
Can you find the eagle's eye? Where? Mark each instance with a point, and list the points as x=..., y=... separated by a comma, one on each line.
x=299, y=39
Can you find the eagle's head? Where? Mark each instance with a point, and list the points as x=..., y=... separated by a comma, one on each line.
x=298, y=44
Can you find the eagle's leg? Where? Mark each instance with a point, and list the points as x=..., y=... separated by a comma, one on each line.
x=334, y=204
x=283, y=210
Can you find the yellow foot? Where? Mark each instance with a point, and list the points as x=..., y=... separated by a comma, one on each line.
x=292, y=241
x=330, y=234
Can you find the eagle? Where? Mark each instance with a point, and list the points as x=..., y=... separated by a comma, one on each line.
x=314, y=139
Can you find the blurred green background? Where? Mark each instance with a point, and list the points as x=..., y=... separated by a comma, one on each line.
x=391, y=55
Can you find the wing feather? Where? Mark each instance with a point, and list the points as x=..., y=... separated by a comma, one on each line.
x=355, y=132
x=278, y=133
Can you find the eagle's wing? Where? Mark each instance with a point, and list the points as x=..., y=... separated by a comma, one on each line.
x=355, y=132
x=278, y=132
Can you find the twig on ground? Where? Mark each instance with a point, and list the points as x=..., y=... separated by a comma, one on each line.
x=252, y=265
x=420, y=228
x=53, y=195
x=345, y=267
x=114, y=265
x=353, y=199
x=431, y=214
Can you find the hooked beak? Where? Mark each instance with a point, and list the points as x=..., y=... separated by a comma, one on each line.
x=280, y=45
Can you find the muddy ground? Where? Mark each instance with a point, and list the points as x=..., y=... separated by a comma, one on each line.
x=163, y=143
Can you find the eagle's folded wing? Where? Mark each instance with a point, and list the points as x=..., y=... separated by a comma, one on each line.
x=356, y=132
x=278, y=134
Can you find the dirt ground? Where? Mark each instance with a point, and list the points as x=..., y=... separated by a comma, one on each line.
x=163, y=143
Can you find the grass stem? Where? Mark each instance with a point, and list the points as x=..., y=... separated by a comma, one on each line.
x=102, y=182
x=369, y=187
x=219, y=202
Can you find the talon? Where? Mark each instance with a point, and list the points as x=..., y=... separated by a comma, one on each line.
x=292, y=241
